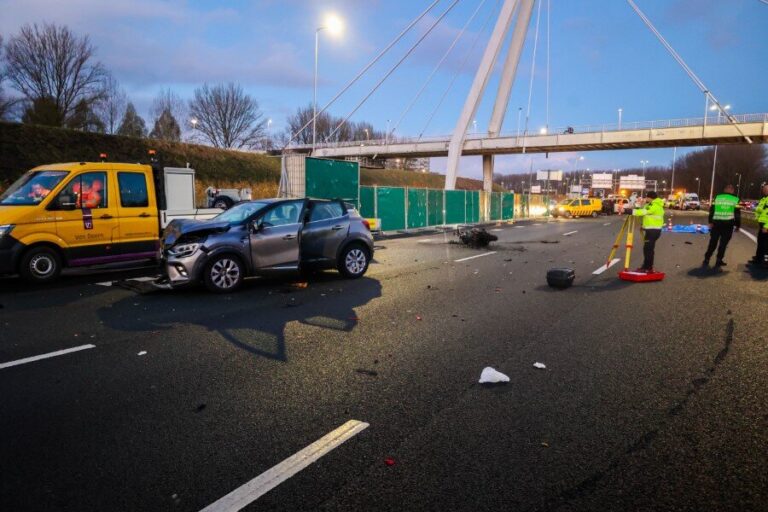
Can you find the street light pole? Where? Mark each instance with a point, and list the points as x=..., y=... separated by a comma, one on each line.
x=738, y=186
x=712, y=183
x=620, y=111
x=698, y=189
x=314, y=92
x=674, y=159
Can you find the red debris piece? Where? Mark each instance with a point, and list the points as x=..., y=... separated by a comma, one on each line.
x=418, y=317
x=354, y=319
x=389, y=461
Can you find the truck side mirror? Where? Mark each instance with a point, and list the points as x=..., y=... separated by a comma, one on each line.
x=66, y=203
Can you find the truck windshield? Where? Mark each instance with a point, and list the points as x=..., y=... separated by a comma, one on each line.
x=31, y=188
x=240, y=212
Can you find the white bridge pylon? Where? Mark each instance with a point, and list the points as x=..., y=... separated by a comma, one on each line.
x=471, y=104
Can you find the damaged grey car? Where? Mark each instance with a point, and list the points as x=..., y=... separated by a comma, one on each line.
x=267, y=237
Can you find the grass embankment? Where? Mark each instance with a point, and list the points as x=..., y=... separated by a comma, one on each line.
x=24, y=146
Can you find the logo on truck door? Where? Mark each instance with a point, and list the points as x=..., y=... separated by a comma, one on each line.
x=87, y=218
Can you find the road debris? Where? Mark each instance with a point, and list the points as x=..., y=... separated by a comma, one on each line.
x=389, y=461
x=491, y=376
x=475, y=237
x=540, y=366
x=142, y=353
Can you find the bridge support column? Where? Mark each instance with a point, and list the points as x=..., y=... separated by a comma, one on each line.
x=490, y=55
x=487, y=185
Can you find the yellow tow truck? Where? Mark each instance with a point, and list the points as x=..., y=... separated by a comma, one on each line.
x=90, y=213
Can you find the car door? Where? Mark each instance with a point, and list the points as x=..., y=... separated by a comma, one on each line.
x=276, y=237
x=86, y=218
x=137, y=213
x=326, y=228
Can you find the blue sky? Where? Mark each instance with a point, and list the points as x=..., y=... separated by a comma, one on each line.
x=602, y=58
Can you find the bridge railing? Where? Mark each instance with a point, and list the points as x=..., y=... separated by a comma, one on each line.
x=582, y=129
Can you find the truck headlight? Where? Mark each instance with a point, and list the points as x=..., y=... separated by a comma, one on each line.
x=184, y=250
x=5, y=229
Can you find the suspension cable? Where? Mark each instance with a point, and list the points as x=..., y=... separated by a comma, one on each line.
x=687, y=69
x=461, y=68
x=364, y=70
x=393, y=68
x=549, y=10
x=533, y=69
x=432, y=74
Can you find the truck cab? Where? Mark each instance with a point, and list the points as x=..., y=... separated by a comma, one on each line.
x=87, y=213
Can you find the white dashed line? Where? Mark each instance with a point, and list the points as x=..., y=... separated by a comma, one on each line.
x=606, y=267
x=497, y=229
x=265, y=482
x=519, y=227
x=607, y=224
x=570, y=233
x=749, y=235
x=45, y=356
x=475, y=256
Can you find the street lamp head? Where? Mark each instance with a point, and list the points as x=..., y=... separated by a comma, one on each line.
x=543, y=131
x=333, y=24
x=193, y=121
x=713, y=108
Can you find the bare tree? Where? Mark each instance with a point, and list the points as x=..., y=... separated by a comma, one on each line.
x=325, y=126
x=112, y=105
x=6, y=103
x=166, y=102
x=132, y=124
x=227, y=117
x=50, y=64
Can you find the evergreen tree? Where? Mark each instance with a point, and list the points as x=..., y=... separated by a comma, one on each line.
x=132, y=124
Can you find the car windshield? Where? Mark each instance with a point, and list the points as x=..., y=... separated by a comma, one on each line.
x=31, y=188
x=239, y=213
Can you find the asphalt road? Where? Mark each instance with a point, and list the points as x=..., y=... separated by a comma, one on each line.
x=653, y=397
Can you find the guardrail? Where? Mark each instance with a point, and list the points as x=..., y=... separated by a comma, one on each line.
x=597, y=128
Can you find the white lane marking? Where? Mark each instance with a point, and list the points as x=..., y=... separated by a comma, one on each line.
x=536, y=224
x=749, y=235
x=105, y=283
x=519, y=227
x=497, y=229
x=265, y=482
x=606, y=267
x=607, y=224
x=570, y=233
x=45, y=356
x=475, y=256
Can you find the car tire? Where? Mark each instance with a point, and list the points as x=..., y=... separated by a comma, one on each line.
x=353, y=261
x=224, y=203
x=224, y=274
x=594, y=215
x=40, y=265
x=568, y=215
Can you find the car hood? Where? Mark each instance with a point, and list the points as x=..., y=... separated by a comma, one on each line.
x=182, y=227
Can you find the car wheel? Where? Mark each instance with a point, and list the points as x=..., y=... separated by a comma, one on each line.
x=354, y=261
x=594, y=215
x=568, y=215
x=224, y=274
x=40, y=265
x=224, y=203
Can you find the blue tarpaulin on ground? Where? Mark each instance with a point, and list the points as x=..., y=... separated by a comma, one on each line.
x=692, y=228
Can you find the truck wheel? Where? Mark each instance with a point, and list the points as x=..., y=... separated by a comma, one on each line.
x=40, y=265
x=224, y=203
x=594, y=215
x=353, y=261
x=568, y=215
x=224, y=274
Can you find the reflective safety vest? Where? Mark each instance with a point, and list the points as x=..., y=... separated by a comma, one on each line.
x=652, y=214
x=725, y=205
x=761, y=212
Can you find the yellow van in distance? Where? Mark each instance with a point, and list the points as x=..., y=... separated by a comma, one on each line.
x=583, y=207
x=90, y=213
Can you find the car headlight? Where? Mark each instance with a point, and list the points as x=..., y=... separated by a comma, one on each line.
x=561, y=209
x=184, y=250
x=5, y=229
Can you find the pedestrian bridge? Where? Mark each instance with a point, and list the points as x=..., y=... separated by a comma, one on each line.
x=649, y=134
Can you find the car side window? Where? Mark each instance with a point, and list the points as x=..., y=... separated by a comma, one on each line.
x=87, y=190
x=283, y=214
x=133, y=189
x=585, y=202
x=323, y=211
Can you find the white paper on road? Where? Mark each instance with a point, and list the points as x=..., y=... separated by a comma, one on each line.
x=602, y=269
x=491, y=376
x=540, y=366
